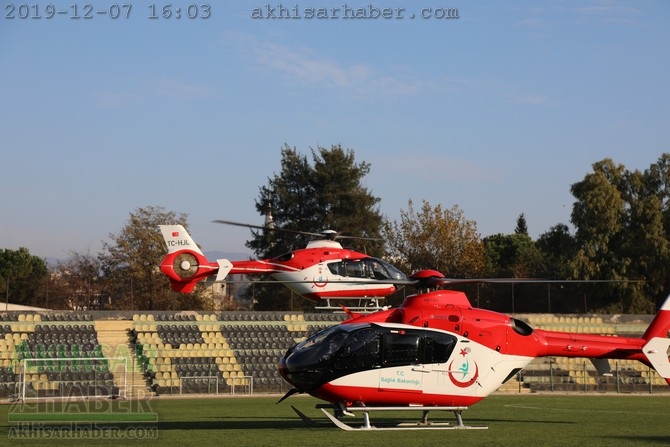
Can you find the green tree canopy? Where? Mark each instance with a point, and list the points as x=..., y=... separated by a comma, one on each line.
x=327, y=193
x=621, y=218
x=513, y=256
x=130, y=262
x=21, y=277
x=558, y=248
x=521, y=225
x=435, y=238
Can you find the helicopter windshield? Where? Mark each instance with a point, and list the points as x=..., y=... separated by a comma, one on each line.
x=321, y=346
x=366, y=268
x=349, y=348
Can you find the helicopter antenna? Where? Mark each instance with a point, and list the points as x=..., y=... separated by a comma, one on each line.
x=269, y=223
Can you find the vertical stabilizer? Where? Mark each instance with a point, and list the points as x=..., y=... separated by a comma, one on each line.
x=658, y=344
x=177, y=238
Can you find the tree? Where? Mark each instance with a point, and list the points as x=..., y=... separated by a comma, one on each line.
x=327, y=194
x=558, y=248
x=130, y=259
x=647, y=241
x=21, y=277
x=621, y=234
x=77, y=284
x=435, y=238
x=521, y=225
x=513, y=256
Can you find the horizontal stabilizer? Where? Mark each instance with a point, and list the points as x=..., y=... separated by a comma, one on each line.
x=225, y=266
x=656, y=351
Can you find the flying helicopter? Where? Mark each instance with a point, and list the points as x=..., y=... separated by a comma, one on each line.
x=437, y=352
x=322, y=271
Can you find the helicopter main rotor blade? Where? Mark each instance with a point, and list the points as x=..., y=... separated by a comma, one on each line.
x=266, y=228
x=360, y=238
x=327, y=234
x=529, y=281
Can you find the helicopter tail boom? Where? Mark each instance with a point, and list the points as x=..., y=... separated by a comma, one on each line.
x=652, y=349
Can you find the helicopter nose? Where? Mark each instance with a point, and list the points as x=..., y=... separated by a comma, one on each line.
x=283, y=371
x=302, y=375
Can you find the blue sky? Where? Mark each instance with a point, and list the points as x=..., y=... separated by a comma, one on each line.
x=498, y=112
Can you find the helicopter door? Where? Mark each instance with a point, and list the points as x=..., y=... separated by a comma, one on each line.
x=400, y=356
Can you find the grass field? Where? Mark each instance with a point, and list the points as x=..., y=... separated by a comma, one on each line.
x=512, y=420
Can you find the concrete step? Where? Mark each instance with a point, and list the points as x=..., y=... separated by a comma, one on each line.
x=113, y=336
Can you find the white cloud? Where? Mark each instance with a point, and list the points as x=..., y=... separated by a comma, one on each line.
x=307, y=66
x=362, y=80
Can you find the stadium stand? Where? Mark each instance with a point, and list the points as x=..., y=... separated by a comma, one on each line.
x=131, y=354
x=191, y=353
x=53, y=356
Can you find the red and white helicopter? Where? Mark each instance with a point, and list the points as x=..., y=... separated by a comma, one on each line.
x=437, y=352
x=321, y=271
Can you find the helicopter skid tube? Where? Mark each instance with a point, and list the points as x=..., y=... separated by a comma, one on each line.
x=423, y=424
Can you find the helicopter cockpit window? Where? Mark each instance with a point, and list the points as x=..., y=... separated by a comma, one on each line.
x=437, y=347
x=366, y=268
x=400, y=348
x=376, y=269
x=355, y=269
x=373, y=346
x=384, y=270
x=322, y=345
x=416, y=347
x=337, y=268
x=361, y=350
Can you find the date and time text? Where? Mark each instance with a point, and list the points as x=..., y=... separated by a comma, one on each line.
x=114, y=11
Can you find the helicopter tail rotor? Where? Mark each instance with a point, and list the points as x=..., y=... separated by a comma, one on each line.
x=185, y=264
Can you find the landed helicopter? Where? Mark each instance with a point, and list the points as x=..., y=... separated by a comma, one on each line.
x=437, y=352
x=321, y=271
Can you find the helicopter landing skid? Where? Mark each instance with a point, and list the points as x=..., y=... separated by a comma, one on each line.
x=423, y=424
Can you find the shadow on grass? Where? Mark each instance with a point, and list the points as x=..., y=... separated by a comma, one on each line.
x=252, y=423
x=647, y=440
x=221, y=424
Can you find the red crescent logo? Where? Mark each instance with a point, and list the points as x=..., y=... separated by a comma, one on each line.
x=322, y=283
x=460, y=384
